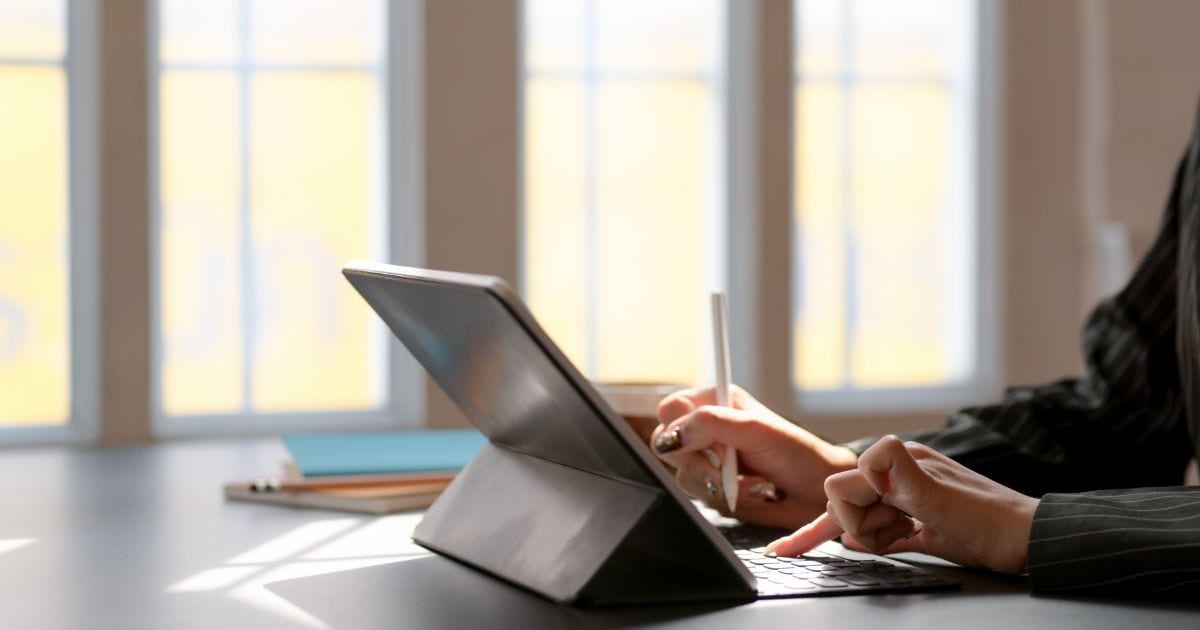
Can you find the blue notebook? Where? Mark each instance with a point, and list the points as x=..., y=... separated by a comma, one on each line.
x=317, y=454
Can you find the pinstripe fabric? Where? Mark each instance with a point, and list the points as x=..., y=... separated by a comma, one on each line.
x=1106, y=452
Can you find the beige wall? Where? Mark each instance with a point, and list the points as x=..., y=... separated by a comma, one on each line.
x=471, y=170
x=1148, y=95
x=1100, y=97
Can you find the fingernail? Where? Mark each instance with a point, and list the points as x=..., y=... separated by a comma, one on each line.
x=669, y=441
x=712, y=457
x=770, y=550
x=763, y=490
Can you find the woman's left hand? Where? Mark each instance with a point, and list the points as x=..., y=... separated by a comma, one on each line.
x=909, y=497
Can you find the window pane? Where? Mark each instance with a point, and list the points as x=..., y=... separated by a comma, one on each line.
x=312, y=148
x=818, y=29
x=34, y=325
x=650, y=189
x=818, y=350
x=199, y=32
x=666, y=36
x=340, y=32
x=916, y=38
x=884, y=195
x=623, y=181
x=556, y=211
x=201, y=235
x=556, y=35
x=32, y=30
x=902, y=305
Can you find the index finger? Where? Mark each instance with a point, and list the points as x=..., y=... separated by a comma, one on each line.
x=821, y=529
x=683, y=402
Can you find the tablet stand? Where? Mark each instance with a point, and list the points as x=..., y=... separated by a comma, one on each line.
x=574, y=536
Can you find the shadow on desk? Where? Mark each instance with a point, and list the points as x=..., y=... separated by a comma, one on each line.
x=434, y=592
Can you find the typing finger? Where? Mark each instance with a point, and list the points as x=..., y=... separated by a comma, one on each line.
x=803, y=540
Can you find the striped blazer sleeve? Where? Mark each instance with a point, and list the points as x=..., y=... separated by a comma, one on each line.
x=1118, y=542
x=1123, y=425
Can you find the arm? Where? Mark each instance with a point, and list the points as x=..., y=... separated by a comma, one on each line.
x=1066, y=436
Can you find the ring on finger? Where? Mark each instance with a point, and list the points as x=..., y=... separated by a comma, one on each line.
x=711, y=488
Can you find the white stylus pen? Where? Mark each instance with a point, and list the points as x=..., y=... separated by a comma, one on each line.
x=729, y=468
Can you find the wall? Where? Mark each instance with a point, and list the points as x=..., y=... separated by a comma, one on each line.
x=1145, y=80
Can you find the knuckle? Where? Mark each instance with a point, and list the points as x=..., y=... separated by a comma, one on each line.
x=672, y=407
x=918, y=449
x=831, y=485
x=708, y=413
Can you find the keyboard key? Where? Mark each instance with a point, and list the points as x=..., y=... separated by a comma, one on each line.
x=827, y=582
x=797, y=584
x=859, y=580
x=885, y=577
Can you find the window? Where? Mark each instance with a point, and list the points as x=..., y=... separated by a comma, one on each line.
x=888, y=246
x=624, y=166
x=35, y=239
x=272, y=170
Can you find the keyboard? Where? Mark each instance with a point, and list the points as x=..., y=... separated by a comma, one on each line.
x=823, y=571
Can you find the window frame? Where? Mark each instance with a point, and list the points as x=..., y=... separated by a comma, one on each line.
x=985, y=380
x=401, y=117
x=80, y=68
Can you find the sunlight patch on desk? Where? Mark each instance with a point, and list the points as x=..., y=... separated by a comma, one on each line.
x=254, y=593
x=294, y=542
x=14, y=543
x=213, y=579
x=312, y=549
x=387, y=536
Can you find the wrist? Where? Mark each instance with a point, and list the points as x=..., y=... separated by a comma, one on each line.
x=841, y=458
x=1019, y=529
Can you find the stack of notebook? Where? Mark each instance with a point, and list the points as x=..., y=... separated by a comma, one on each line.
x=376, y=473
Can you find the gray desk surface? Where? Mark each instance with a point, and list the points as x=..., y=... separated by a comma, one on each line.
x=141, y=538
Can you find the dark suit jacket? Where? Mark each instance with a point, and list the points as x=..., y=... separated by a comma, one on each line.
x=1106, y=453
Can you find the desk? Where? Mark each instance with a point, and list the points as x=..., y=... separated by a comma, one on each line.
x=141, y=538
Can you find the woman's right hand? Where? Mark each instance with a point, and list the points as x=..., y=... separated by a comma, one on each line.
x=782, y=467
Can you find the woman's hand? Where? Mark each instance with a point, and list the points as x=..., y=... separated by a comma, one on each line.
x=781, y=466
x=909, y=497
